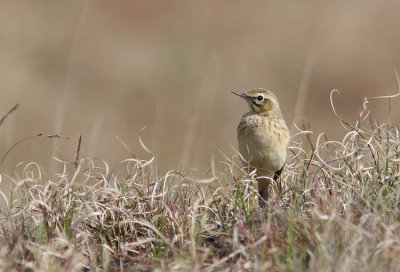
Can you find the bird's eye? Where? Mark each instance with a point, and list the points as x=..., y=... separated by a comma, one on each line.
x=260, y=98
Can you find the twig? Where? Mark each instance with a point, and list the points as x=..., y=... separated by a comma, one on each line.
x=28, y=138
x=8, y=113
x=77, y=151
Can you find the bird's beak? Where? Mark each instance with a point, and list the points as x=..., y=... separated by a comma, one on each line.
x=240, y=94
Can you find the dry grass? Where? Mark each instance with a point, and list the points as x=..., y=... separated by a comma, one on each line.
x=335, y=209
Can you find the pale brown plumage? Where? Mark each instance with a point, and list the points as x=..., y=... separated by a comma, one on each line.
x=263, y=136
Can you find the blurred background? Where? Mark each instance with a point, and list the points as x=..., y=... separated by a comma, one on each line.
x=102, y=69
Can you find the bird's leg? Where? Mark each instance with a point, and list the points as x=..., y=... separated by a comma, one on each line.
x=263, y=190
x=263, y=186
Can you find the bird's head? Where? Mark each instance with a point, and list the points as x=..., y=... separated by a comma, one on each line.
x=260, y=101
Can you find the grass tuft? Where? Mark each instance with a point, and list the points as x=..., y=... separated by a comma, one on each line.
x=335, y=208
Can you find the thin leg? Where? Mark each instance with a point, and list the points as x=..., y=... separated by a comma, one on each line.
x=263, y=185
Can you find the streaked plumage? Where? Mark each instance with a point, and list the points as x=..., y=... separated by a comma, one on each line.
x=263, y=136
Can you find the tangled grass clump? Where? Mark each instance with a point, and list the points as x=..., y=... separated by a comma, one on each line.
x=336, y=207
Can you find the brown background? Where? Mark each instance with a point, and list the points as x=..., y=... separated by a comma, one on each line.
x=102, y=69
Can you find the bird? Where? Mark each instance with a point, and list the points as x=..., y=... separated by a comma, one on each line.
x=263, y=137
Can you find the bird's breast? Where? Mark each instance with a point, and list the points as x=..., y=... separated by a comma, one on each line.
x=263, y=141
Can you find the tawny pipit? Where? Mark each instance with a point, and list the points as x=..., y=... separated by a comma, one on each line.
x=263, y=136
